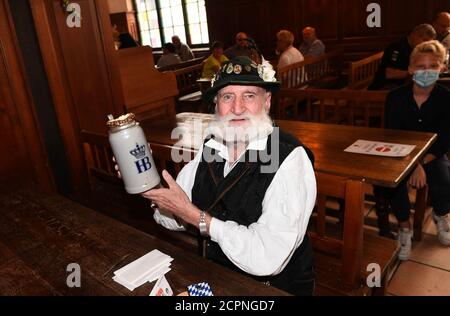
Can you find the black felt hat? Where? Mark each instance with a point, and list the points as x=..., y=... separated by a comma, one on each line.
x=243, y=71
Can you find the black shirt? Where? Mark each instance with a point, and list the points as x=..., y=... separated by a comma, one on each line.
x=433, y=116
x=395, y=56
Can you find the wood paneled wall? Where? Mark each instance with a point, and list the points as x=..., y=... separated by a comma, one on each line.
x=338, y=22
x=81, y=72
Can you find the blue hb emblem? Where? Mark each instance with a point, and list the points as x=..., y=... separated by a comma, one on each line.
x=143, y=163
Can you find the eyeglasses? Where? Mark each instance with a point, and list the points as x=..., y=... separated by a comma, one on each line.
x=241, y=39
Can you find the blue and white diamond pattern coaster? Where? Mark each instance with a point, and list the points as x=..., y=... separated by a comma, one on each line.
x=200, y=289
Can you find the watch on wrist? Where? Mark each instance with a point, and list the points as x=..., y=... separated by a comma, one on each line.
x=202, y=224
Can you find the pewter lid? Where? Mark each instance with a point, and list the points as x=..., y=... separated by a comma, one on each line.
x=122, y=120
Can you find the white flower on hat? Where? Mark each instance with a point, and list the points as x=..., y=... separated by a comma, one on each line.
x=213, y=79
x=266, y=72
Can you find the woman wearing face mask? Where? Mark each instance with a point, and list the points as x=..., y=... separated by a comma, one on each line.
x=423, y=106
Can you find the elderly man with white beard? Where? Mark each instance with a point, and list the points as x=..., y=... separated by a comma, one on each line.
x=253, y=219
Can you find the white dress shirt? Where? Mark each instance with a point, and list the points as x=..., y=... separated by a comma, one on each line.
x=266, y=246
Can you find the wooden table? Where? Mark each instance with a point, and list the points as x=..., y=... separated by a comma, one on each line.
x=41, y=234
x=329, y=141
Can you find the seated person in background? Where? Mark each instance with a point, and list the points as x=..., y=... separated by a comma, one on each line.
x=393, y=70
x=420, y=106
x=252, y=219
x=182, y=50
x=127, y=41
x=214, y=61
x=289, y=54
x=241, y=47
x=311, y=46
x=169, y=56
x=442, y=26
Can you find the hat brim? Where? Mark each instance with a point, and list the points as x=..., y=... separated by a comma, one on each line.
x=208, y=95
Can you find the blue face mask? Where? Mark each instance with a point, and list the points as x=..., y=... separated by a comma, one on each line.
x=426, y=78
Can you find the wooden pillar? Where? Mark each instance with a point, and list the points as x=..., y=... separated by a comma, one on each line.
x=83, y=76
x=23, y=152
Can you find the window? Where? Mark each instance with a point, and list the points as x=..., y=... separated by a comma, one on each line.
x=159, y=20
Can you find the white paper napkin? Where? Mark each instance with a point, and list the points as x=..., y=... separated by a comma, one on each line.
x=147, y=268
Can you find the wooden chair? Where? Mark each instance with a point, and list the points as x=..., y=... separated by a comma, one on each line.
x=342, y=257
x=362, y=72
x=325, y=68
x=347, y=106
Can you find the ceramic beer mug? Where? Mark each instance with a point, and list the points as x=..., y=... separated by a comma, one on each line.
x=132, y=154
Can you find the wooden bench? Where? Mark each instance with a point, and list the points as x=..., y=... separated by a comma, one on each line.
x=323, y=70
x=187, y=79
x=346, y=105
x=343, y=255
x=362, y=72
x=189, y=94
x=183, y=64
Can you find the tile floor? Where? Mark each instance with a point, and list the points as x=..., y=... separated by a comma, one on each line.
x=427, y=272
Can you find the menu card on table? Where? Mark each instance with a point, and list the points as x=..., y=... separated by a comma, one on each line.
x=379, y=149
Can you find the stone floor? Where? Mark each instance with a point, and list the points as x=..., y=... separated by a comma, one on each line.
x=427, y=272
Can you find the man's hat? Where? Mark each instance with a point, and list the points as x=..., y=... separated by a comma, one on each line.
x=243, y=71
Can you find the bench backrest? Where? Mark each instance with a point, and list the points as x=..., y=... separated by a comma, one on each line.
x=187, y=79
x=183, y=64
x=362, y=72
x=311, y=69
x=360, y=103
x=98, y=156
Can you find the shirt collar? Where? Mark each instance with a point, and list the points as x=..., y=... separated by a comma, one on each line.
x=257, y=144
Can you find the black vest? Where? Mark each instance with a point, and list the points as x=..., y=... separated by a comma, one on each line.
x=238, y=197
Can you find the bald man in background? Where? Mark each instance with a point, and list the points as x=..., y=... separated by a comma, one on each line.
x=442, y=26
x=240, y=48
x=311, y=46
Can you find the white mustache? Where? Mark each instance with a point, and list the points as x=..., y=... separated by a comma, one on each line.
x=259, y=125
x=231, y=117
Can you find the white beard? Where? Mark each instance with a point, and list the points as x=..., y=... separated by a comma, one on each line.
x=256, y=127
